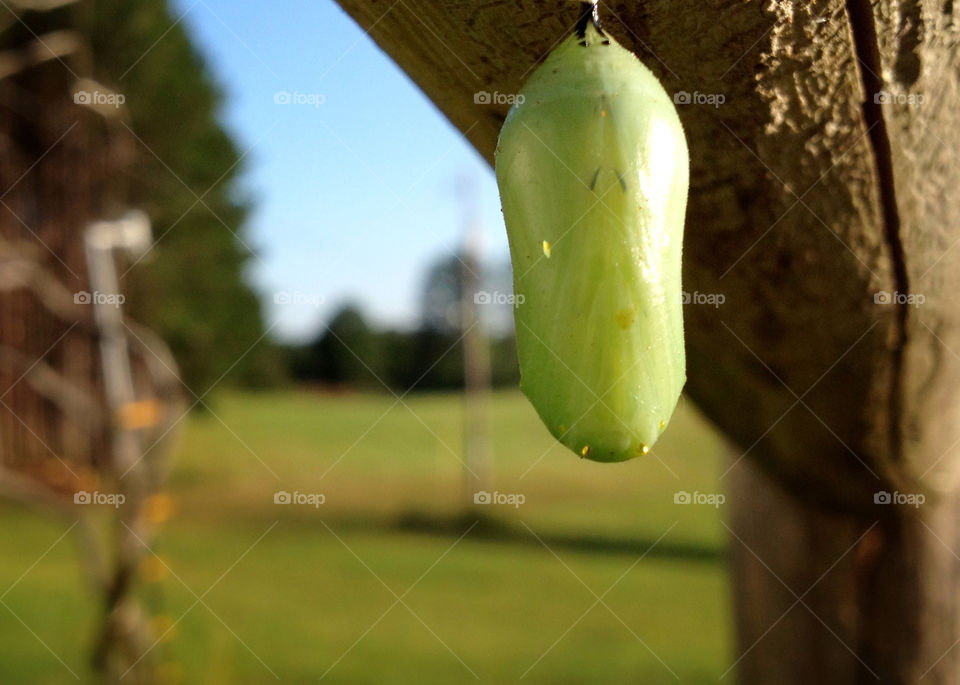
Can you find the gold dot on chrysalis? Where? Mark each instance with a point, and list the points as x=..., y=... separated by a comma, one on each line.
x=625, y=317
x=585, y=451
x=663, y=424
x=546, y=249
x=562, y=429
x=643, y=449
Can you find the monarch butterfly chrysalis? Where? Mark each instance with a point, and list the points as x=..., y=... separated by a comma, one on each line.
x=593, y=170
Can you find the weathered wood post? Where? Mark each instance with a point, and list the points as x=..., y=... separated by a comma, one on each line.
x=823, y=207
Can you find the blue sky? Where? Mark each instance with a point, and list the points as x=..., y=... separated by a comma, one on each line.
x=356, y=184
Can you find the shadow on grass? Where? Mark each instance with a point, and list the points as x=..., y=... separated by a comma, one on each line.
x=492, y=529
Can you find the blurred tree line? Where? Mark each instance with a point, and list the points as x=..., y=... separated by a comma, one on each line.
x=191, y=288
x=349, y=351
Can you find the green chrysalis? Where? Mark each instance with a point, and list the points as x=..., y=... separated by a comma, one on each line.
x=593, y=170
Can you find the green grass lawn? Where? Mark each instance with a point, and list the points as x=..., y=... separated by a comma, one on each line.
x=302, y=592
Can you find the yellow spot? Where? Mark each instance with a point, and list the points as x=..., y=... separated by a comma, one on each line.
x=562, y=429
x=585, y=451
x=158, y=508
x=643, y=449
x=143, y=414
x=663, y=424
x=546, y=249
x=625, y=317
x=603, y=112
x=152, y=569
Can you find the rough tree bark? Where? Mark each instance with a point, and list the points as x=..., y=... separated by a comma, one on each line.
x=825, y=178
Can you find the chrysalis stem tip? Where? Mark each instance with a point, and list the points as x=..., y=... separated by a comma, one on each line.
x=589, y=14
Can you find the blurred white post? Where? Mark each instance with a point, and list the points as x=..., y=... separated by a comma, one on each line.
x=122, y=617
x=478, y=467
x=130, y=234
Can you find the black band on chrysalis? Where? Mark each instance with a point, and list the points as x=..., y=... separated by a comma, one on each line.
x=588, y=15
